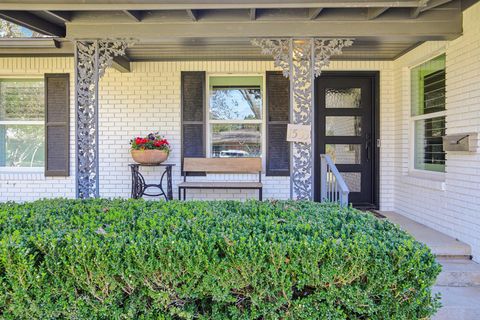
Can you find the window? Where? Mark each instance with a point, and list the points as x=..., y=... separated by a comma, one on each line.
x=428, y=114
x=235, y=116
x=22, y=132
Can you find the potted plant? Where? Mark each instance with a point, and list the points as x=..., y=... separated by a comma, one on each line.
x=152, y=149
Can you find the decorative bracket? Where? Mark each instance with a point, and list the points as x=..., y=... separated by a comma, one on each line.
x=92, y=57
x=302, y=60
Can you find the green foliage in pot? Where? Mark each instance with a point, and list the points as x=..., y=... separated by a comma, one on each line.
x=135, y=259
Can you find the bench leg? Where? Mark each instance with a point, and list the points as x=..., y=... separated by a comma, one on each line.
x=184, y=194
x=260, y=195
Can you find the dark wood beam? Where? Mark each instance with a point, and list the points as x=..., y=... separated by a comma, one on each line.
x=374, y=13
x=134, y=14
x=253, y=14
x=33, y=22
x=434, y=3
x=440, y=25
x=415, y=12
x=189, y=4
x=121, y=63
x=192, y=14
x=313, y=13
x=65, y=16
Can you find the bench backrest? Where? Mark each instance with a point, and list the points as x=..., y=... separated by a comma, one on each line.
x=223, y=165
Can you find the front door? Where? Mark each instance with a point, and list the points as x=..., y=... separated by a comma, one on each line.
x=346, y=128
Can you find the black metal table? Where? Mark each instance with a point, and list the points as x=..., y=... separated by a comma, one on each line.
x=139, y=186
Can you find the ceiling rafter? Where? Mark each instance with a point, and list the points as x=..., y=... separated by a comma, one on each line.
x=415, y=12
x=64, y=16
x=134, y=14
x=374, y=13
x=253, y=14
x=193, y=14
x=192, y=5
x=33, y=22
x=434, y=3
x=313, y=13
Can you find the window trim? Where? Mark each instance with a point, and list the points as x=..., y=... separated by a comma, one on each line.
x=208, y=122
x=412, y=171
x=23, y=170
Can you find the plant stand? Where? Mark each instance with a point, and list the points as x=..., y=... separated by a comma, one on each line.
x=139, y=186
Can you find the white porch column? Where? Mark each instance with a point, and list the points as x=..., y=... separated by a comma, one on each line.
x=302, y=59
x=92, y=57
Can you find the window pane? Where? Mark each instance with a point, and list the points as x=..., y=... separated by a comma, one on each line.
x=229, y=103
x=236, y=140
x=343, y=98
x=428, y=87
x=343, y=126
x=22, y=145
x=21, y=100
x=429, y=154
x=344, y=153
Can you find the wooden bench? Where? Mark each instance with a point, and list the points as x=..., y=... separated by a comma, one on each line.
x=221, y=165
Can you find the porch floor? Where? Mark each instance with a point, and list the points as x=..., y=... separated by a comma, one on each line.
x=459, y=281
x=441, y=244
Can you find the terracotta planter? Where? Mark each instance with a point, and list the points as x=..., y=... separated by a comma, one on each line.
x=149, y=156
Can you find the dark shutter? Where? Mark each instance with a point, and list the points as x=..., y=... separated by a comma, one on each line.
x=57, y=125
x=193, y=114
x=278, y=111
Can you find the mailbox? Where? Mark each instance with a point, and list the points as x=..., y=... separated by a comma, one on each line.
x=466, y=142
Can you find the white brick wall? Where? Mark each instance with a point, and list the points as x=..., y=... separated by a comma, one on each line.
x=449, y=203
x=148, y=99
x=31, y=186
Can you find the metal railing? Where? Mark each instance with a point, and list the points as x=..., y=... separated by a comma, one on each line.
x=332, y=185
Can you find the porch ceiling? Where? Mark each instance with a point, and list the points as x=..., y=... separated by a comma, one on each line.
x=215, y=29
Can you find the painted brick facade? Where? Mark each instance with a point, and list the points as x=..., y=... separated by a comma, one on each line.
x=148, y=99
x=447, y=202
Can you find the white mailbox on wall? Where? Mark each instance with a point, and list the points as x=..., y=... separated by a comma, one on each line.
x=464, y=142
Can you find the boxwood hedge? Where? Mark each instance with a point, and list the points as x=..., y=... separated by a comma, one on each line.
x=134, y=259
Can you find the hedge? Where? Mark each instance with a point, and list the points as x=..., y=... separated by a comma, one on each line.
x=135, y=259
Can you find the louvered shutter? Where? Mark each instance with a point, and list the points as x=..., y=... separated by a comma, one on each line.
x=193, y=114
x=278, y=111
x=57, y=125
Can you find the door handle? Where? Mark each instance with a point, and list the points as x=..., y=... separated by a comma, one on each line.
x=368, y=146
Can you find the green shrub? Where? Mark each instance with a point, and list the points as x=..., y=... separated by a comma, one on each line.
x=117, y=259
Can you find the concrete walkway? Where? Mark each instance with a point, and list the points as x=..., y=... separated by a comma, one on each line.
x=459, y=281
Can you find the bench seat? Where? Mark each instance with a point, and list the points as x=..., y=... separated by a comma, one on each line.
x=220, y=185
x=221, y=165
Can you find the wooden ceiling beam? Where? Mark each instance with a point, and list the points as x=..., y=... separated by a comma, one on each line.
x=374, y=13
x=33, y=22
x=92, y=5
x=433, y=4
x=313, y=13
x=193, y=14
x=64, y=16
x=443, y=25
x=121, y=64
x=253, y=14
x=135, y=15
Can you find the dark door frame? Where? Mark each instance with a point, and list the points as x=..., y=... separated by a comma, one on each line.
x=375, y=78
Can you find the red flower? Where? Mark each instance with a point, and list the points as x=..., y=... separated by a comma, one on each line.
x=160, y=143
x=140, y=141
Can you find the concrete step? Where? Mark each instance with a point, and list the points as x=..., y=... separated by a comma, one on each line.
x=459, y=303
x=441, y=244
x=459, y=273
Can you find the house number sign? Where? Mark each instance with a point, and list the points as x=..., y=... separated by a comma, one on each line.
x=299, y=133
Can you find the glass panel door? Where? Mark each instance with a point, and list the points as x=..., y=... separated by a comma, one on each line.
x=344, y=129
